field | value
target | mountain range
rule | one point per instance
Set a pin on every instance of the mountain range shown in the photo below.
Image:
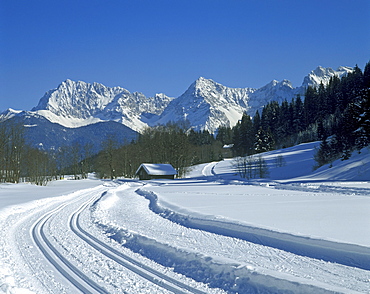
(79, 111)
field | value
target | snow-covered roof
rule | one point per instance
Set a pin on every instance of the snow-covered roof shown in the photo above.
(158, 169)
(229, 146)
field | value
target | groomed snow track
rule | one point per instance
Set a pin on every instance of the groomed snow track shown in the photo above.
(135, 266)
(73, 274)
(66, 268)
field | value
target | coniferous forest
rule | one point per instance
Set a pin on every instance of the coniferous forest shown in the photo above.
(337, 114)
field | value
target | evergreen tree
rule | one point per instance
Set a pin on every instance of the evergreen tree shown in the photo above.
(224, 135)
(320, 130)
(351, 87)
(256, 122)
(284, 126)
(324, 154)
(322, 102)
(366, 76)
(298, 115)
(348, 124)
(237, 148)
(270, 117)
(244, 136)
(310, 106)
(334, 94)
(247, 135)
(110, 161)
(264, 141)
(362, 133)
(12, 149)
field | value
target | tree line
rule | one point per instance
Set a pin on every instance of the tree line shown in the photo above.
(348, 127)
(337, 114)
(20, 162)
(171, 143)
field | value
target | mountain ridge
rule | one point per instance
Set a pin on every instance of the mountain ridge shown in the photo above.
(75, 104)
(205, 105)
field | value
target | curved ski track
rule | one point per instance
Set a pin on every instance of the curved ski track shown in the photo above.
(75, 276)
(67, 269)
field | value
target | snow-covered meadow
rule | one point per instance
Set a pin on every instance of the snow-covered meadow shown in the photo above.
(297, 231)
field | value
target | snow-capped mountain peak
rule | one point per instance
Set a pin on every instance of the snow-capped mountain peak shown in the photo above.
(202, 86)
(202, 82)
(323, 75)
(75, 104)
(78, 99)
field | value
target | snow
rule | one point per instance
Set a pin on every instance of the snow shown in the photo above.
(9, 113)
(323, 75)
(333, 217)
(160, 169)
(67, 121)
(14, 194)
(298, 231)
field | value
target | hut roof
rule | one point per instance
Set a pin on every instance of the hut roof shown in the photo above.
(158, 169)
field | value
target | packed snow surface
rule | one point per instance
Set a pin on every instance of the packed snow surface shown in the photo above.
(298, 231)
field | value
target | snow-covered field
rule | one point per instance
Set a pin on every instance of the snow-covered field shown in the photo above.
(297, 231)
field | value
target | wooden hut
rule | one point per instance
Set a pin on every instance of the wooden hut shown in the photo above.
(148, 171)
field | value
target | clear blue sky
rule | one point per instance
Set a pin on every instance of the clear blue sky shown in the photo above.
(163, 46)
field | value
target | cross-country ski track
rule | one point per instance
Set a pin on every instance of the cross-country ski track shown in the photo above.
(77, 276)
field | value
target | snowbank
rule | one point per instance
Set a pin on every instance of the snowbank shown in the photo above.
(316, 229)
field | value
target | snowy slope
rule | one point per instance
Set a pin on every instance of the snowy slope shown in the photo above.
(344, 188)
